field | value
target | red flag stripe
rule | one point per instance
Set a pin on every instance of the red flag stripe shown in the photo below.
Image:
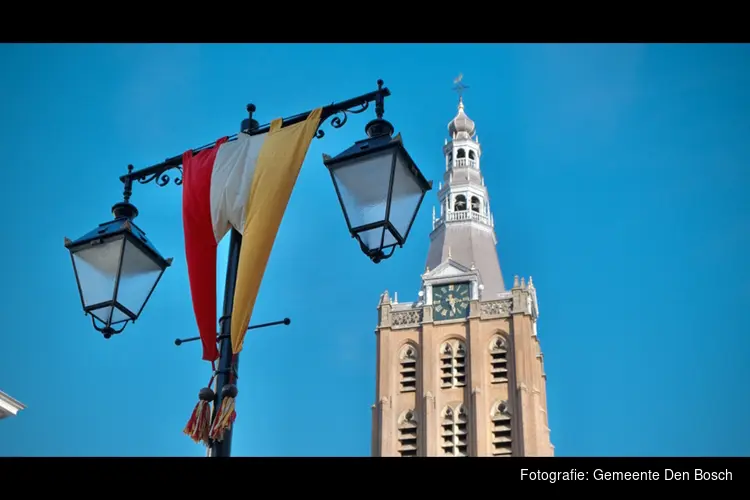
(200, 242)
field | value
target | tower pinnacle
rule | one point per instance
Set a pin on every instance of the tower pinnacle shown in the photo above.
(461, 127)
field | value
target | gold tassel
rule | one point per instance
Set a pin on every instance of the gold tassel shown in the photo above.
(198, 427)
(225, 416)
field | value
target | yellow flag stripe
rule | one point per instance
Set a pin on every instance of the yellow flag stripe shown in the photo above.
(277, 168)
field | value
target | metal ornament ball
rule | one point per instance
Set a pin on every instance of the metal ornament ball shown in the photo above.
(206, 394)
(229, 391)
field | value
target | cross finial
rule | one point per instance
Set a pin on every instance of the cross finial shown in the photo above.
(459, 86)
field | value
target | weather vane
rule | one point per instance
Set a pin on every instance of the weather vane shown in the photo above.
(459, 85)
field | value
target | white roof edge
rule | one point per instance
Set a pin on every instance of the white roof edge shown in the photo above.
(15, 405)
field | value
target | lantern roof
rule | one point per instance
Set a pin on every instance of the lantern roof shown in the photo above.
(120, 225)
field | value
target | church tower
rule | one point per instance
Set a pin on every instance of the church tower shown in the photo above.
(460, 372)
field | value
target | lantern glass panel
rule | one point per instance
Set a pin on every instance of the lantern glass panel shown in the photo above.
(138, 277)
(372, 238)
(96, 271)
(363, 185)
(406, 197)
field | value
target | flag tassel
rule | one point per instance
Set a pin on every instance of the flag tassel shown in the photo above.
(198, 426)
(226, 414)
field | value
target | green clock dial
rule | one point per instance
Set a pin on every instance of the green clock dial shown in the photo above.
(450, 301)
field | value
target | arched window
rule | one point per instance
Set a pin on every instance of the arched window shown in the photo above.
(461, 153)
(501, 430)
(454, 431)
(452, 364)
(476, 205)
(450, 156)
(460, 204)
(499, 360)
(471, 155)
(407, 434)
(408, 368)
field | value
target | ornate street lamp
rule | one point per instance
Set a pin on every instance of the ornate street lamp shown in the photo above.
(379, 187)
(117, 269)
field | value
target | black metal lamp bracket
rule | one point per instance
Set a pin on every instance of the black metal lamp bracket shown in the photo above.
(337, 112)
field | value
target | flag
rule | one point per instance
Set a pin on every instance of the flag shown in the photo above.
(278, 166)
(223, 187)
(216, 183)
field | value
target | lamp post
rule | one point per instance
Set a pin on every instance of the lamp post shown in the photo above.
(379, 187)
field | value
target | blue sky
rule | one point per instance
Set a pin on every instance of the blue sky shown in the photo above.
(619, 180)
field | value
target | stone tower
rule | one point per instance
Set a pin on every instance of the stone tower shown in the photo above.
(460, 372)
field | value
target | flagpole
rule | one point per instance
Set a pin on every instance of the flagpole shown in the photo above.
(225, 369)
(229, 362)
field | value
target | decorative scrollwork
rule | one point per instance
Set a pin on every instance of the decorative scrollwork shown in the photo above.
(340, 121)
(161, 179)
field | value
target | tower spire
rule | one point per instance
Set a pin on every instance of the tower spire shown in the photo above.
(461, 127)
(464, 231)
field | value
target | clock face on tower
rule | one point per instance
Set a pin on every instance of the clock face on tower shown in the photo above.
(450, 301)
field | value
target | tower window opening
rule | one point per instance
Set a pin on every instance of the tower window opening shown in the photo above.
(499, 360)
(501, 430)
(472, 156)
(461, 153)
(452, 365)
(476, 205)
(408, 369)
(454, 432)
(407, 434)
(460, 204)
(450, 156)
